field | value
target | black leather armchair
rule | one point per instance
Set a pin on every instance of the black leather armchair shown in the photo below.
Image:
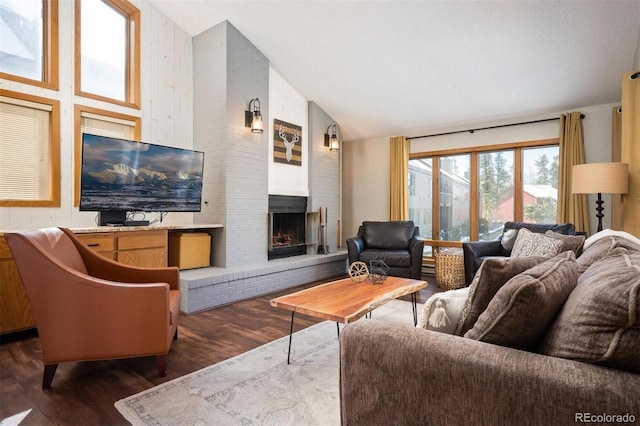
(475, 252)
(397, 243)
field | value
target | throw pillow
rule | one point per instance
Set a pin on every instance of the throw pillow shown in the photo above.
(521, 310)
(598, 247)
(630, 238)
(442, 310)
(493, 274)
(600, 322)
(534, 244)
(569, 242)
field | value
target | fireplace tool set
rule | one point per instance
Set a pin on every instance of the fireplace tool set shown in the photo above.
(323, 248)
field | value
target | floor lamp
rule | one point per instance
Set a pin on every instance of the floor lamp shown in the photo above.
(600, 178)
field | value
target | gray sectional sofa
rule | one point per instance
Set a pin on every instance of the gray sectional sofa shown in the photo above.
(556, 344)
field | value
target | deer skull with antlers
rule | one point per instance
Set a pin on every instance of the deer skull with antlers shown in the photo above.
(288, 145)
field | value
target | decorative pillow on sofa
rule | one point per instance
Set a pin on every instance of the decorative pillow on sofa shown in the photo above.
(600, 321)
(534, 244)
(493, 274)
(630, 241)
(442, 310)
(521, 310)
(569, 242)
(601, 244)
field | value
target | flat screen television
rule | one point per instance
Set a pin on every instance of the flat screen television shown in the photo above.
(120, 176)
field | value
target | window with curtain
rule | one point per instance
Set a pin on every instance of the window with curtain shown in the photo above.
(29, 151)
(475, 192)
(107, 51)
(29, 47)
(102, 123)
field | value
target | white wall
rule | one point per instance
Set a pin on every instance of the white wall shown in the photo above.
(166, 108)
(324, 174)
(366, 162)
(287, 104)
(365, 183)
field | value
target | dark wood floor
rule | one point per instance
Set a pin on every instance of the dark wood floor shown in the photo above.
(83, 393)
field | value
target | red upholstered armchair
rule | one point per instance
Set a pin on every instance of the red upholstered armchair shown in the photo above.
(88, 307)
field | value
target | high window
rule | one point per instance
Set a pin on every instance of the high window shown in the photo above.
(457, 196)
(108, 51)
(103, 123)
(29, 151)
(29, 42)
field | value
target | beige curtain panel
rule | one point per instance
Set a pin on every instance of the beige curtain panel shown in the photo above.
(398, 178)
(616, 156)
(630, 148)
(571, 207)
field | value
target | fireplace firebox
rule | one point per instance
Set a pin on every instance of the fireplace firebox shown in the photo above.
(287, 226)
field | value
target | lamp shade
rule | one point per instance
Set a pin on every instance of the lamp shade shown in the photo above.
(333, 143)
(600, 178)
(256, 123)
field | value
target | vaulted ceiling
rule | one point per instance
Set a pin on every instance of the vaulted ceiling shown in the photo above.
(383, 68)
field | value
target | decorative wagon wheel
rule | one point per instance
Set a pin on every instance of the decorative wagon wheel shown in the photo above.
(358, 271)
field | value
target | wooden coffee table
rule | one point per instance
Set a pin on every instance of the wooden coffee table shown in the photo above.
(345, 301)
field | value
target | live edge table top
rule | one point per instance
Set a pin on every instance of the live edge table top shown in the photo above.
(345, 300)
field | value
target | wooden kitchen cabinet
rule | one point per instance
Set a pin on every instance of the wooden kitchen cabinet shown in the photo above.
(135, 248)
(144, 248)
(105, 244)
(15, 310)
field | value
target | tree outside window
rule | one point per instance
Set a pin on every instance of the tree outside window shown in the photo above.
(540, 188)
(496, 196)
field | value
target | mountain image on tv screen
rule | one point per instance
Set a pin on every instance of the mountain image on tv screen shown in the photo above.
(124, 175)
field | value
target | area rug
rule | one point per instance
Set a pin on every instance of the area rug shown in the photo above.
(258, 387)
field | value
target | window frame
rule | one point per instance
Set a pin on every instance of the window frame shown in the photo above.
(474, 216)
(50, 57)
(132, 73)
(54, 147)
(77, 137)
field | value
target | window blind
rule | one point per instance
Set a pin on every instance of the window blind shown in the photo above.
(25, 143)
(103, 125)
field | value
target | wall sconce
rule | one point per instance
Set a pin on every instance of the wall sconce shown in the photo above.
(253, 118)
(600, 178)
(332, 141)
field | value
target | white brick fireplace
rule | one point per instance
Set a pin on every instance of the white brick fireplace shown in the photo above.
(240, 173)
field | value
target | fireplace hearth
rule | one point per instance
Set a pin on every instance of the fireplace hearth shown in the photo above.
(287, 226)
